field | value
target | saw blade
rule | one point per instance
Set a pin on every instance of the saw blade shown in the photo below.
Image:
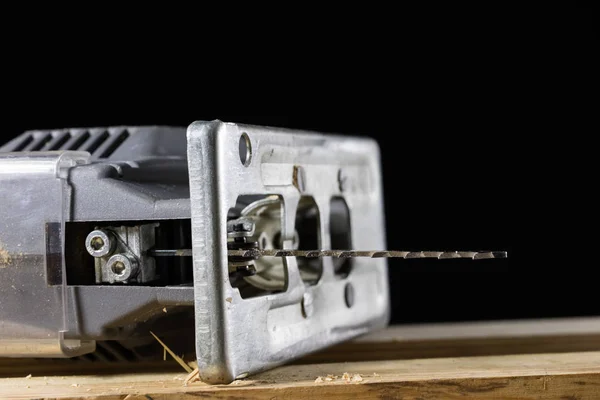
(475, 255)
(257, 253)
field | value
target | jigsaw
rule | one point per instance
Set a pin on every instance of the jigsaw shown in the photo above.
(247, 246)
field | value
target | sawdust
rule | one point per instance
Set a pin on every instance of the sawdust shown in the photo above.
(5, 258)
(346, 377)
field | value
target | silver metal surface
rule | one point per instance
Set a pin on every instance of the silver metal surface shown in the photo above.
(35, 190)
(237, 183)
(236, 336)
(46, 190)
(120, 268)
(100, 243)
(131, 263)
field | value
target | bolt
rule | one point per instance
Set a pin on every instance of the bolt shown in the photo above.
(121, 268)
(100, 243)
(240, 227)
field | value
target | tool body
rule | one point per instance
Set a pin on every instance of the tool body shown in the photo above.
(248, 244)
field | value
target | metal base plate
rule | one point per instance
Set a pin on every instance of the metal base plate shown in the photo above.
(238, 336)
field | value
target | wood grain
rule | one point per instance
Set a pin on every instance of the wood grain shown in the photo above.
(393, 343)
(468, 339)
(387, 353)
(544, 376)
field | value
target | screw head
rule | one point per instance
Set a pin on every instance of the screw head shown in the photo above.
(99, 243)
(121, 268)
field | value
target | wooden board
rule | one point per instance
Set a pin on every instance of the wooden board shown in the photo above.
(469, 339)
(547, 376)
(393, 343)
(386, 353)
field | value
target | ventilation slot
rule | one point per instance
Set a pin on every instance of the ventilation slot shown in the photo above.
(41, 142)
(61, 141)
(79, 141)
(117, 141)
(23, 143)
(97, 141)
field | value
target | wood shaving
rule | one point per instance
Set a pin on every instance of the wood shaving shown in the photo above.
(5, 259)
(165, 310)
(352, 377)
(375, 374)
(28, 376)
(175, 356)
(347, 377)
(237, 382)
(193, 376)
(75, 385)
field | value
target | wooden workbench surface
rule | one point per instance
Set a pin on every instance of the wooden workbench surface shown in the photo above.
(544, 376)
(563, 375)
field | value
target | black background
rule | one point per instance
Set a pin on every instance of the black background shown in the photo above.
(452, 97)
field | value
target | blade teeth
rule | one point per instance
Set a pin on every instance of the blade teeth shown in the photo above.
(414, 254)
(381, 254)
(483, 255)
(449, 255)
(466, 254)
(432, 254)
(255, 253)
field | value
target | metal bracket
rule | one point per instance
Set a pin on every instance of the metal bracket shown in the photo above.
(238, 336)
